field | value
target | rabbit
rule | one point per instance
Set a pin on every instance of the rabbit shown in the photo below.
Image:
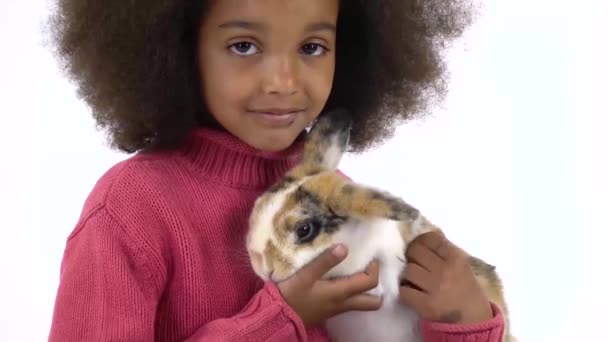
(314, 207)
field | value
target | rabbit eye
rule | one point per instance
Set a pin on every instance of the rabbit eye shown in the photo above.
(307, 231)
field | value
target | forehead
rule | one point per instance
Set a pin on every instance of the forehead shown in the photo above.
(276, 15)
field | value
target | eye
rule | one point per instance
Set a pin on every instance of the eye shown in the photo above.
(313, 49)
(243, 48)
(307, 231)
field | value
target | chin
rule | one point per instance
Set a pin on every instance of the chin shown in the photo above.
(274, 141)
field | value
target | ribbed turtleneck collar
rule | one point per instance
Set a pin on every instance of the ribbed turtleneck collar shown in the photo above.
(223, 158)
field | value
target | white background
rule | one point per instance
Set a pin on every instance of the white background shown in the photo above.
(514, 166)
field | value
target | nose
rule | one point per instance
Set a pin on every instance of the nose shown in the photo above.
(281, 76)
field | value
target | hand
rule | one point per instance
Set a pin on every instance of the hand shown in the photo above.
(440, 283)
(316, 300)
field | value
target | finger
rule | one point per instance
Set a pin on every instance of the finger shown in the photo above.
(437, 243)
(358, 282)
(420, 277)
(440, 232)
(361, 302)
(315, 269)
(412, 297)
(405, 282)
(422, 255)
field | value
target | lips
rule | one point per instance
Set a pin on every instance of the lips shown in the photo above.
(277, 111)
(276, 117)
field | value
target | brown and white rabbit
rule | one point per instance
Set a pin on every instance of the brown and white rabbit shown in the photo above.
(314, 207)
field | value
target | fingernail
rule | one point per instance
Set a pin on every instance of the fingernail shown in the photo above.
(339, 251)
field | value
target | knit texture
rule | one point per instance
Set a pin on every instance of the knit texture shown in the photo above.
(489, 331)
(158, 253)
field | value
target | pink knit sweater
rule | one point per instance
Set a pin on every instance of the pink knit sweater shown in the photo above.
(158, 254)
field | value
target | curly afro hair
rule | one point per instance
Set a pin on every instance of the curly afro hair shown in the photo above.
(134, 63)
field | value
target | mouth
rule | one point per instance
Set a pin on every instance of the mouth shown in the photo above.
(277, 110)
(276, 117)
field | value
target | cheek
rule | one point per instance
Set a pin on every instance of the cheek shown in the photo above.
(225, 85)
(319, 78)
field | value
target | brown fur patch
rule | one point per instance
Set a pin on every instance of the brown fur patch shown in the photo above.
(324, 185)
(291, 213)
(281, 264)
(304, 170)
(350, 199)
(490, 282)
(281, 218)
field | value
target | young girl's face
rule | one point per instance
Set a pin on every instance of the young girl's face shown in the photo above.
(267, 66)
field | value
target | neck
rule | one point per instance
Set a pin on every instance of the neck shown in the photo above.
(223, 158)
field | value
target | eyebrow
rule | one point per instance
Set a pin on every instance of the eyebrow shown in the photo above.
(249, 25)
(321, 26)
(257, 26)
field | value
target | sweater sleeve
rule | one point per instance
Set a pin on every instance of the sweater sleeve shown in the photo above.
(106, 291)
(267, 317)
(488, 331)
(110, 287)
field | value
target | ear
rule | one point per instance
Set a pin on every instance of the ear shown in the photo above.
(364, 202)
(326, 142)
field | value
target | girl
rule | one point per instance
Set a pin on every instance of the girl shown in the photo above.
(215, 97)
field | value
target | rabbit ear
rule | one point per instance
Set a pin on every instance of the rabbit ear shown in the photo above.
(326, 143)
(364, 202)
